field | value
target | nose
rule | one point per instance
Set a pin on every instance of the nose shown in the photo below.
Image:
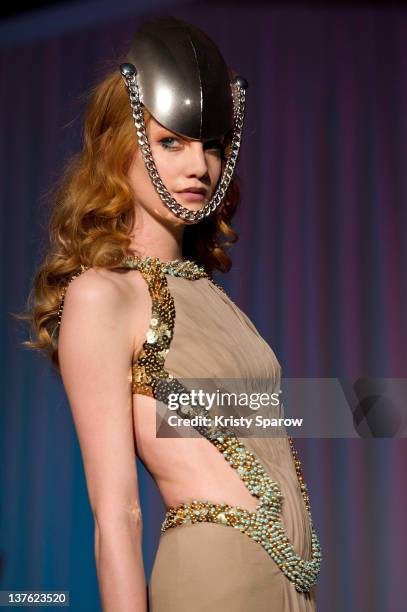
(197, 164)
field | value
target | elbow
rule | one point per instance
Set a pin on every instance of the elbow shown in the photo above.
(118, 519)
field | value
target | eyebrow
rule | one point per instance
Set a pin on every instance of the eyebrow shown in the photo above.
(163, 132)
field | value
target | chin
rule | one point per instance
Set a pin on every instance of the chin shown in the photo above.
(177, 221)
(192, 206)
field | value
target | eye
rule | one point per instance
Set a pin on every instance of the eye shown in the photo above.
(213, 145)
(168, 141)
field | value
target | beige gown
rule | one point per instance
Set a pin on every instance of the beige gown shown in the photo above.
(208, 566)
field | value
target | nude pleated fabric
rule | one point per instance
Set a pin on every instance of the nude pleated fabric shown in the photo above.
(208, 567)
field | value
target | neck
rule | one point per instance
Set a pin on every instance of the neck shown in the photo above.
(156, 237)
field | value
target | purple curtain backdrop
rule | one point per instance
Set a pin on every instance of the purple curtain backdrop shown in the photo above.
(320, 268)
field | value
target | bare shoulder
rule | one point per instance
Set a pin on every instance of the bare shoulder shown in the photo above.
(119, 300)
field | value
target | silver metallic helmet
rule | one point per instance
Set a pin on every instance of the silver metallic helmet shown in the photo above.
(179, 75)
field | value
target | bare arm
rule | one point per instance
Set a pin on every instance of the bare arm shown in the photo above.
(95, 350)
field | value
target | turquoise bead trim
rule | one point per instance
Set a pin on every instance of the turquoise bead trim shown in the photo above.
(185, 268)
(263, 525)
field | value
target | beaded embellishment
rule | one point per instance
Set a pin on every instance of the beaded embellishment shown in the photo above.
(151, 378)
(148, 369)
(63, 292)
(264, 524)
(175, 267)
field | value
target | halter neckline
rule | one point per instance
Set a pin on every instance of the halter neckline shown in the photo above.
(185, 268)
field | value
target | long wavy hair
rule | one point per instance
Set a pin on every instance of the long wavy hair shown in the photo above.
(93, 213)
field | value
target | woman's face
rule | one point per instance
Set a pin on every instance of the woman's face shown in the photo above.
(182, 164)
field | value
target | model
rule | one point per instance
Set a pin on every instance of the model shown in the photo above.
(128, 311)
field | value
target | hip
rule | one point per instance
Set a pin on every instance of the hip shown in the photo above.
(208, 567)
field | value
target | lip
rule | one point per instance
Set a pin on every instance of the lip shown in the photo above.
(194, 189)
(193, 196)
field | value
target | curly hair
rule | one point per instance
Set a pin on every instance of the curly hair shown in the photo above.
(93, 213)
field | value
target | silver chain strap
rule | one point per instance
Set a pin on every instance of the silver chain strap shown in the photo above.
(238, 93)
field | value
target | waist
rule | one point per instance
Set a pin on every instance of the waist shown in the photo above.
(203, 510)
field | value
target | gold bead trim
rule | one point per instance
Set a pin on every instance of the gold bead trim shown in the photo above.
(264, 524)
(149, 368)
(175, 267)
(63, 292)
